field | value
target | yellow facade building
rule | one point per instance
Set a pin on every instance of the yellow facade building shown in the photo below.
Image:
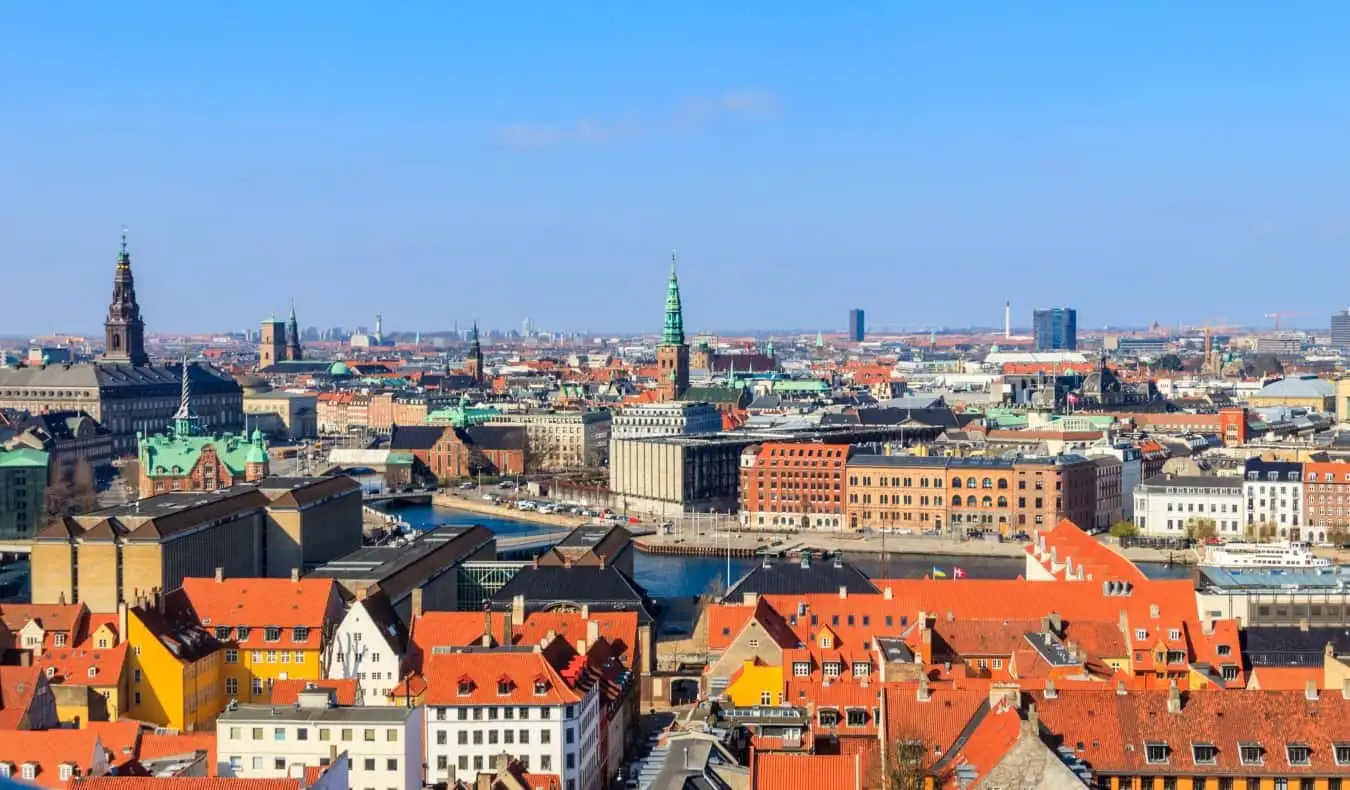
(175, 666)
(756, 683)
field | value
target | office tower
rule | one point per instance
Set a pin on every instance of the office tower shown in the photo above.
(1340, 330)
(856, 325)
(1055, 329)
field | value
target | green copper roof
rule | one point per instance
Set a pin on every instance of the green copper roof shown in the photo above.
(171, 454)
(462, 416)
(22, 457)
(673, 334)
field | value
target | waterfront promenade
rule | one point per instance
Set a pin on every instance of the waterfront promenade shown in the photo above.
(709, 535)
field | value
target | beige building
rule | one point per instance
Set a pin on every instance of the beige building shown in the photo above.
(253, 530)
(298, 411)
(563, 439)
(670, 475)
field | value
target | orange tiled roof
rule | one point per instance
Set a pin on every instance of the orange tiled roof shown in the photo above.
(17, 686)
(496, 677)
(50, 748)
(154, 745)
(52, 617)
(987, 744)
(787, 771)
(183, 783)
(1069, 543)
(84, 664)
(260, 603)
(287, 692)
(1285, 678)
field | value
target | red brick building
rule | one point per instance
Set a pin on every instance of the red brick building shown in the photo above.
(797, 486)
(1326, 497)
(447, 453)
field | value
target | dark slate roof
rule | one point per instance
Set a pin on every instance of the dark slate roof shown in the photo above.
(295, 367)
(714, 394)
(60, 425)
(1281, 646)
(601, 589)
(938, 417)
(414, 437)
(800, 577)
(120, 376)
(496, 437)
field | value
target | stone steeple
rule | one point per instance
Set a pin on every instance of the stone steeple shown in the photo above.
(123, 330)
(672, 355)
(293, 351)
(475, 361)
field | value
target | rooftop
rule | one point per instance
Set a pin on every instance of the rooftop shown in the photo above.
(381, 714)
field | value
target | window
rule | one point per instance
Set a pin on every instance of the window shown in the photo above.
(369, 764)
(1204, 753)
(279, 763)
(368, 735)
(1229, 671)
(346, 734)
(302, 734)
(540, 688)
(391, 764)
(325, 734)
(1173, 634)
(1155, 752)
(243, 633)
(60, 641)
(801, 669)
(546, 763)
(524, 736)
(828, 717)
(300, 633)
(65, 770)
(231, 686)
(1342, 753)
(222, 632)
(279, 734)
(503, 688)
(856, 717)
(463, 737)
(1251, 753)
(231, 656)
(1225, 650)
(1298, 754)
(391, 735)
(257, 763)
(465, 687)
(1140, 634)
(271, 634)
(753, 643)
(860, 669)
(546, 736)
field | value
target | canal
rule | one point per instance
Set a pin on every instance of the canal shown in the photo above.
(666, 576)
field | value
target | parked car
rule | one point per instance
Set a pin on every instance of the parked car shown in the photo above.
(466, 486)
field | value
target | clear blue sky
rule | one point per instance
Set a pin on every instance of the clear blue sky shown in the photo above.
(922, 160)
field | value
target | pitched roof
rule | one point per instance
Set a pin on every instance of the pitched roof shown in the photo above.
(84, 664)
(415, 437)
(287, 692)
(52, 617)
(496, 437)
(800, 578)
(601, 588)
(50, 748)
(788, 771)
(177, 628)
(17, 688)
(259, 603)
(183, 783)
(496, 677)
(158, 746)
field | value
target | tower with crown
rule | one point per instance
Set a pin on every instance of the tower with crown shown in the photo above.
(124, 329)
(672, 355)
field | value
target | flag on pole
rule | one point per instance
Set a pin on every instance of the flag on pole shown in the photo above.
(957, 573)
(937, 573)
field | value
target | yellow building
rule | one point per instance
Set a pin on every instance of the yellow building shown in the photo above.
(88, 677)
(271, 629)
(756, 683)
(175, 666)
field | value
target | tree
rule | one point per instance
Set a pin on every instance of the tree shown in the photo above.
(73, 493)
(1201, 529)
(1168, 362)
(1124, 529)
(1338, 535)
(906, 766)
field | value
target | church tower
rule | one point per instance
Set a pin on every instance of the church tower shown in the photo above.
(672, 355)
(475, 361)
(293, 351)
(271, 342)
(124, 331)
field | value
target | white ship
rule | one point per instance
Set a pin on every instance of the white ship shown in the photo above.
(1285, 555)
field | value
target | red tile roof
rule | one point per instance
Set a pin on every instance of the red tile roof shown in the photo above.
(52, 617)
(154, 746)
(287, 692)
(259, 603)
(17, 687)
(1286, 678)
(84, 664)
(49, 748)
(183, 783)
(787, 771)
(496, 677)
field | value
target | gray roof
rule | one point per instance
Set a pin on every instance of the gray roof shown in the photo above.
(1302, 387)
(116, 375)
(800, 577)
(1193, 481)
(363, 714)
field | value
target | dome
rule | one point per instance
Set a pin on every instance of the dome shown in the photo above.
(338, 368)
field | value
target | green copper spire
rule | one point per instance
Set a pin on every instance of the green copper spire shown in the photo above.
(673, 334)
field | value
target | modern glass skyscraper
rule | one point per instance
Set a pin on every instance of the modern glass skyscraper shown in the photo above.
(1055, 329)
(1340, 330)
(856, 327)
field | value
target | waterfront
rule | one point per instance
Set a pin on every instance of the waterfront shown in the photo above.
(673, 576)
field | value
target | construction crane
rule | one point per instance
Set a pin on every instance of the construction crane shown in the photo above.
(1276, 316)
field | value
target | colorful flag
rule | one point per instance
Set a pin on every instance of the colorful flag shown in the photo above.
(957, 573)
(937, 573)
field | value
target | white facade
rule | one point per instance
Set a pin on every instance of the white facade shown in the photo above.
(1164, 504)
(563, 439)
(360, 650)
(556, 739)
(665, 419)
(384, 745)
(1275, 498)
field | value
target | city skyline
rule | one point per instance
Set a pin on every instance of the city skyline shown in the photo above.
(1042, 159)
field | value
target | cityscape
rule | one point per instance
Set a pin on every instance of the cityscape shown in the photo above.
(888, 549)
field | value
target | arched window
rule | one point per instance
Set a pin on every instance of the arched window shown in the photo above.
(987, 502)
(1002, 501)
(987, 483)
(970, 482)
(956, 482)
(970, 501)
(1003, 482)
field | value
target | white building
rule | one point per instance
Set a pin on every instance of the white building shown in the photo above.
(665, 419)
(563, 439)
(1274, 494)
(482, 703)
(383, 744)
(1164, 504)
(368, 645)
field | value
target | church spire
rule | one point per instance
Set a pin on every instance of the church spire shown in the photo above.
(123, 330)
(673, 333)
(293, 351)
(184, 421)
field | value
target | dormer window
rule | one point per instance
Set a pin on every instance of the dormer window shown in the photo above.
(51, 672)
(504, 686)
(1298, 754)
(828, 717)
(59, 640)
(1225, 650)
(300, 633)
(1155, 752)
(243, 633)
(465, 687)
(1141, 634)
(801, 669)
(833, 669)
(65, 771)
(6, 768)
(861, 669)
(93, 671)
(271, 634)
(1204, 753)
(29, 771)
(1251, 754)
(1173, 634)
(222, 632)
(1342, 751)
(540, 687)
(826, 643)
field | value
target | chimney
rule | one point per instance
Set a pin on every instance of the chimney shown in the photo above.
(508, 629)
(486, 640)
(951, 616)
(415, 605)
(1173, 698)
(1056, 623)
(1045, 625)
(592, 632)
(886, 594)
(1207, 627)
(585, 611)
(1120, 688)
(1345, 688)
(159, 600)
(923, 694)
(220, 574)
(122, 623)
(750, 598)
(518, 609)
(1050, 692)
(843, 591)
(1310, 690)
(295, 574)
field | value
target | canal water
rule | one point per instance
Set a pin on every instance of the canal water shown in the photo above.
(668, 576)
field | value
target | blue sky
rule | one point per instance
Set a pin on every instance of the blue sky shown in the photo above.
(440, 162)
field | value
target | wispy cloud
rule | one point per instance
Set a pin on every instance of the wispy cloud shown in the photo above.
(693, 114)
